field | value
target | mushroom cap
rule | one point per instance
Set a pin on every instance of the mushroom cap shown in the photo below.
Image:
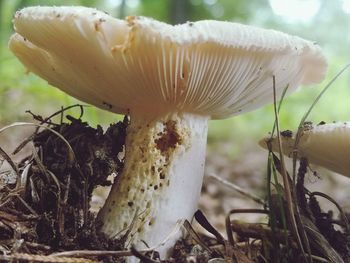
(327, 145)
(211, 68)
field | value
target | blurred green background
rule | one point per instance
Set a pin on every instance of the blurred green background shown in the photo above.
(323, 21)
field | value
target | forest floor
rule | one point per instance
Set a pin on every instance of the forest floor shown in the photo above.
(26, 234)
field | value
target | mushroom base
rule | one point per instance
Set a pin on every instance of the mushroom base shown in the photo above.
(161, 180)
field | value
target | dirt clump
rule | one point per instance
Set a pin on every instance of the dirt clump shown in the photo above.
(46, 208)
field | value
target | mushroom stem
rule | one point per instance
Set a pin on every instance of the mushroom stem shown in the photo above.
(161, 180)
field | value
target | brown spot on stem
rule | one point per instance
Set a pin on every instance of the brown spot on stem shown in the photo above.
(169, 138)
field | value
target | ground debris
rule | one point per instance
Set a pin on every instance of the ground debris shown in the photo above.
(323, 238)
(47, 208)
(45, 213)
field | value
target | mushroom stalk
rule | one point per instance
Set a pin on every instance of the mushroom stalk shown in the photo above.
(161, 180)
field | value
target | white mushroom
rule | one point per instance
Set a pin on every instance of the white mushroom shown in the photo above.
(171, 80)
(327, 145)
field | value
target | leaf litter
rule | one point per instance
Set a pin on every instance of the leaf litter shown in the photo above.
(46, 208)
(45, 198)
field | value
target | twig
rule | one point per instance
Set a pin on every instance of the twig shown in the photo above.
(236, 211)
(96, 253)
(237, 188)
(44, 259)
(141, 256)
(261, 231)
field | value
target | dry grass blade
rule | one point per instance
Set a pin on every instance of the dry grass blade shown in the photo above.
(286, 182)
(172, 233)
(195, 236)
(46, 120)
(279, 108)
(24, 176)
(228, 247)
(203, 221)
(9, 160)
(319, 243)
(22, 257)
(238, 189)
(18, 124)
(30, 209)
(61, 112)
(128, 229)
(278, 165)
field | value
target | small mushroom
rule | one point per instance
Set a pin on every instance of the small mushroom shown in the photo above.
(171, 80)
(327, 145)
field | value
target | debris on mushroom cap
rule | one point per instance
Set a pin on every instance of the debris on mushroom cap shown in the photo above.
(327, 145)
(207, 67)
